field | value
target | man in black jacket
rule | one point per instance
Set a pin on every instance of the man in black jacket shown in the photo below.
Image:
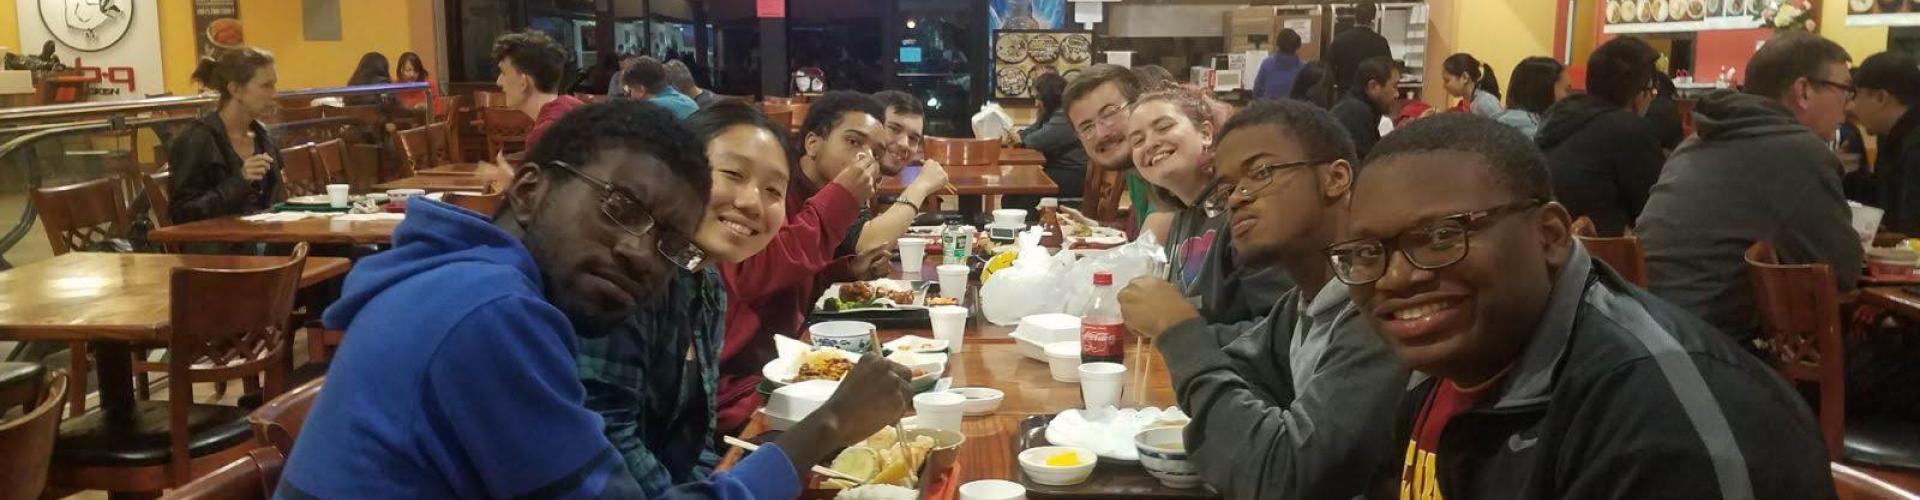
(1372, 95)
(1355, 45)
(1889, 84)
(1603, 155)
(1553, 377)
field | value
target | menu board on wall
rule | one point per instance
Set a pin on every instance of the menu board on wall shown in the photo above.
(216, 25)
(1882, 13)
(1019, 57)
(1678, 16)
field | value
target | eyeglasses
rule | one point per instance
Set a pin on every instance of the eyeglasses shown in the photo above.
(1253, 183)
(1106, 117)
(626, 212)
(1439, 244)
(1850, 90)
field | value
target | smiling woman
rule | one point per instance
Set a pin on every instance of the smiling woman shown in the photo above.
(750, 174)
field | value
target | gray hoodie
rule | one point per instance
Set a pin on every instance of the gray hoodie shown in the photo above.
(1753, 173)
(1201, 260)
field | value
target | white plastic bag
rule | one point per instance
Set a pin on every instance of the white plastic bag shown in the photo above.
(1143, 257)
(991, 122)
(1023, 288)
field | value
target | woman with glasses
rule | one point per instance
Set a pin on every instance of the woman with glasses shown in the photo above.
(1171, 135)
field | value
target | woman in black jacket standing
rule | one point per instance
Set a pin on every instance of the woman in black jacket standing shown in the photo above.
(224, 163)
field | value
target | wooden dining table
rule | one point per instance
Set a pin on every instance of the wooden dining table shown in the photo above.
(1894, 299)
(115, 301)
(438, 182)
(318, 230)
(974, 183)
(1022, 156)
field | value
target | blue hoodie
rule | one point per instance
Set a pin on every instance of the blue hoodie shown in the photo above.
(457, 380)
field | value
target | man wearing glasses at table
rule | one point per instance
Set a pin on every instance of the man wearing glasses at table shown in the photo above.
(1553, 377)
(457, 377)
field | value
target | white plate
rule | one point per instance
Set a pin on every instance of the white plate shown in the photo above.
(919, 298)
(312, 199)
(1109, 433)
(782, 370)
(1101, 236)
(915, 343)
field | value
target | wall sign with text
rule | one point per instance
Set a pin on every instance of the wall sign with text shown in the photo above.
(216, 25)
(115, 41)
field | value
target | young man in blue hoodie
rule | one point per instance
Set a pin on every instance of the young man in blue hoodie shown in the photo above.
(457, 376)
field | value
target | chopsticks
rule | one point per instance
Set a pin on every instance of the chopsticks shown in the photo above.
(1143, 362)
(750, 447)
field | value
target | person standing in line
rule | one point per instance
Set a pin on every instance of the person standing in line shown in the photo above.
(1278, 72)
(1354, 46)
(1605, 157)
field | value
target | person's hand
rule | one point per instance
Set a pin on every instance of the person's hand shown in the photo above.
(1430, 112)
(256, 167)
(1074, 215)
(873, 264)
(1152, 305)
(873, 395)
(931, 181)
(860, 177)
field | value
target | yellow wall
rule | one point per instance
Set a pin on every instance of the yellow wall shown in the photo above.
(385, 26)
(1860, 42)
(1497, 32)
(10, 28)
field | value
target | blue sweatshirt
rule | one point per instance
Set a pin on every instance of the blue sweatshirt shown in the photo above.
(456, 380)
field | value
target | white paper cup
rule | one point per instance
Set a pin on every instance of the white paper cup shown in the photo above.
(851, 336)
(1100, 384)
(913, 254)
(1010, 217)
(993, 489)
(1063, 359)
(939, 410)
(402, 195)
(953, 280)
(337, 195)
(949, 324)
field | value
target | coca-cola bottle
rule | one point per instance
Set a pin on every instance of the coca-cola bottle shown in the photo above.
(1102, 331)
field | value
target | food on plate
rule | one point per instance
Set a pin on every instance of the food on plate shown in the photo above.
(1677, 9)
(942, 301)
(1064, 459)
(1077, 48)
(1080, 230)
(1011, 80)
(878, 492)
(823, 364)
(867, 294)
(882, 458)
(1011, 48)
(1043, 49)
(225, 33)
(1659, 10)
(1646, 9)
(1697, 9)
(1613, 11)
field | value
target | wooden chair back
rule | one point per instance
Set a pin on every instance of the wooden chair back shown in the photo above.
(504, 127)
(155, 185)
(26, 443)
(77, 216)
(332, 159)
(446, 144)
(799, 114)
(1799, 310)
(963, 152)
(780, 115)
(416, 151)
(489, 99)
(363, 165)
(1852, 484)
(369, 114)
(300, 114)
(227, 324)
(253, 477)
(1623, 253)
(298, 175)
(1102, 191)
(485, 204)
(278, 422)
(776, 101)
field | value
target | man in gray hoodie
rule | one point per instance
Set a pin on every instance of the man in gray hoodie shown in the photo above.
(1758, 170)
(1302, 405)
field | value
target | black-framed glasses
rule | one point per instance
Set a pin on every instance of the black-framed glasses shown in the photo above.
(1850, 90)
(626, 212)
(1253, 183)
(1437, 244)
(1105, 117)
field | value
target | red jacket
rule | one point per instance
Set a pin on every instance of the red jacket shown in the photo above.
(549, 113)
(771, 292)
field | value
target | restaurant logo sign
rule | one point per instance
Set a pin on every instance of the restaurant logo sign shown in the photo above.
(216, 25)
(114, 43)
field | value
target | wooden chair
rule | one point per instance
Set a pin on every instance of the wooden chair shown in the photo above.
(155, 185)
(416, 151)
(964, 152)
(277, 423)
(371, 115)
(1623, 253)
(781, 115)
(489, 99)
(298, 175)
(26, 442)
(1799, 309)
(332, 159)
(485, 204)
(78, 217)
(446, 144)
(227, 324)
(20, 384)
(1852, 484)
(300, 114)
(504, 127)
(1102, 191)
(253, 477)
(799, 116)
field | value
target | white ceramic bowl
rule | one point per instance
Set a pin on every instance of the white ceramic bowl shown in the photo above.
(1033, 461)
(993, 489)
(1163, 452)
(980, 400)
(851, 336)
(1063, 359)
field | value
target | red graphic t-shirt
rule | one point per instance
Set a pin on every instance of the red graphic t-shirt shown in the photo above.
(1419, 478)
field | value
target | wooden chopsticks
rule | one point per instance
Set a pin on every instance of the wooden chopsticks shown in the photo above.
(750, 447)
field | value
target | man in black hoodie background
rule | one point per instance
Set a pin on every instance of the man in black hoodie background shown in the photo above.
(1356, 45)
(1889, 89)
(1604, 156)
(1369, 97)
(1758, 169)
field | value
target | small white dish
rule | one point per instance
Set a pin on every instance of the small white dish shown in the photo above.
(993, 489)
(1163, 452)
(980, 400)
(1033, 461)
(917, 344)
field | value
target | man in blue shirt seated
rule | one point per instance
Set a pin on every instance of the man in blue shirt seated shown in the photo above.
(457, 376)
(647, 80)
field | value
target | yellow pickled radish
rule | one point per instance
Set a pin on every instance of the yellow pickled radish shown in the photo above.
(1064, 459)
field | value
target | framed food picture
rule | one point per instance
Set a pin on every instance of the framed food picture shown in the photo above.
(1022, 56)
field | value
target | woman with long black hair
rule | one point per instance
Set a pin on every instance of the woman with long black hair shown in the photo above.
(1473, 82)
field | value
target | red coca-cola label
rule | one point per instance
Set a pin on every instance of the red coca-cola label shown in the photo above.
(1102, 340)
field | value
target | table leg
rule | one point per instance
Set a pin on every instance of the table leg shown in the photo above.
(113, 363)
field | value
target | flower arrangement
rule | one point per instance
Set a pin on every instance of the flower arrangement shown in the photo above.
(1789, 15)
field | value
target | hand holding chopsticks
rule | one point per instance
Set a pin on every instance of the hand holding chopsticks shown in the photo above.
(830, 473)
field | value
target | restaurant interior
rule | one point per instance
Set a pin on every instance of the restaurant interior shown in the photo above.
(119, 375)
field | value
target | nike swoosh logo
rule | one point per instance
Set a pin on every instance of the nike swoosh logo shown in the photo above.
(1516, 444)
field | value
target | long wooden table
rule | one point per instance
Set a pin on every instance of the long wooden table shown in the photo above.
(114, 301)
(231, 229)
(1894, 299)
(438, 182)
(1021, 156)
(974, 183)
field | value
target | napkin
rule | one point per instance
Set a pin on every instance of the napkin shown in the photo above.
(282, 216)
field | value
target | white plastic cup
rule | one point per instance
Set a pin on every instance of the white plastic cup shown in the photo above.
(949, 324)
(953, 280)
(1100, 384)
(939, 410)
(993, 489)
(1063, 360)
(913, 254)
(1010, 217)
(337, 195)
